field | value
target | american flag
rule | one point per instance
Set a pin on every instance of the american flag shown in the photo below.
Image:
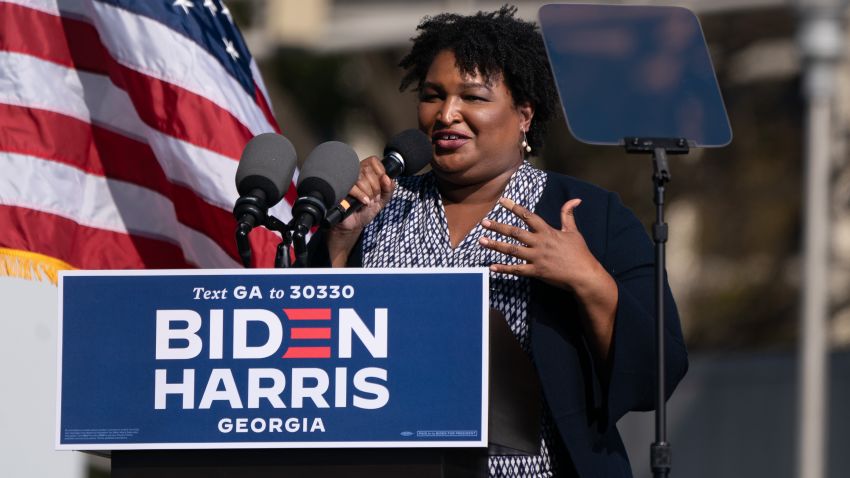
(121, 125)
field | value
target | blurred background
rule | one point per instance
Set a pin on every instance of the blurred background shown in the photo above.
(735, 213)
(330, 67)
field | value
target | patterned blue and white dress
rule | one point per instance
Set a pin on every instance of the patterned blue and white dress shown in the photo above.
(412, 231)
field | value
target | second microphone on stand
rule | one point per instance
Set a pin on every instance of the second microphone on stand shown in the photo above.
(262, 178)
(328, 174)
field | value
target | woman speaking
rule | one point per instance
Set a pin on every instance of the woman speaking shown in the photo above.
(571, 268)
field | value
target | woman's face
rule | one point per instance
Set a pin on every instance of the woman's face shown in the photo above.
(475, 126)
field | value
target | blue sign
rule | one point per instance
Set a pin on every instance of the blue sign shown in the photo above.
(273, 359)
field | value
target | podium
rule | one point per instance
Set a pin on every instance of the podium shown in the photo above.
(514, 424)
(513, 421)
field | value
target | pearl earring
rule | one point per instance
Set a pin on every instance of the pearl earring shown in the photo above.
(524, 145)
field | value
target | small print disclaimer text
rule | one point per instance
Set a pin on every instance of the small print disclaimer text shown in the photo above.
(100, 434)
(447, 433)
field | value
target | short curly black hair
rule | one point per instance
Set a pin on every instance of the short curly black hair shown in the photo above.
(494, 44)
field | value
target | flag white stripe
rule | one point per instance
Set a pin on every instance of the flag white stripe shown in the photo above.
(48, 6)
(102, 203)
(258, 79)
(22, 84)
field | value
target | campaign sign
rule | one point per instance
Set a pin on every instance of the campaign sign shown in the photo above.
(273, 359)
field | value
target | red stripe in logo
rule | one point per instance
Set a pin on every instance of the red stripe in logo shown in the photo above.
(307, 352)
(308, 314)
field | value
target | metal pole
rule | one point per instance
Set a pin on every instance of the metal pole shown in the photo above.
(661, 454)
(820, 42)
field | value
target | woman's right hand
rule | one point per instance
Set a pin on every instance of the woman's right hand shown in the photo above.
(373, 189)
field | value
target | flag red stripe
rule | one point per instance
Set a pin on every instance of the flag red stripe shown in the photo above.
(85, 247)
(298, 333)
(308, 314)
(37, 33)
(200, 121)
(99, 151)
(87, 147)
(264, 244)
(291, 194)
(307, 352)
(260, 99)
(166, 107)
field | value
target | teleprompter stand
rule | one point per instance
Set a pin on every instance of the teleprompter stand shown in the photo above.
(634, 100)
(659, 148)
(514, 429)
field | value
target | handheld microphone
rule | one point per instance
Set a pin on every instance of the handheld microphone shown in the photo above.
(328, 174)
(405, 154)
(262, 179)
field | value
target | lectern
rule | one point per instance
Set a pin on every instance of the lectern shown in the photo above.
(514, 424)
(439, 366)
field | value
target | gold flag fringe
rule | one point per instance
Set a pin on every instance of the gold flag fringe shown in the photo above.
(30, 265)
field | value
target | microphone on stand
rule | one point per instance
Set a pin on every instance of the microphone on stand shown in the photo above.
(406, 154)
(262, 178)
(327, 175)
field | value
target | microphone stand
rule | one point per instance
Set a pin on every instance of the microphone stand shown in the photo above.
(299, 242)
(281, 257)
(249, 211)
(660, 451)
(293, 234)
(308, 211)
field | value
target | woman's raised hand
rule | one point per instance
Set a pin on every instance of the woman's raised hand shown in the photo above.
(374, 190)
(560, 257)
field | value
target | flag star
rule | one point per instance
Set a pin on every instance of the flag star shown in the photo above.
(230, 49)
(184, 4)
(211, 6)
(226, 12)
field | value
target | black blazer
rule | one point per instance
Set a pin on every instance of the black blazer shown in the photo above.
(586, 397)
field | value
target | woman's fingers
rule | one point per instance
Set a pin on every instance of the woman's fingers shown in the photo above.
(368, 185)
(526, 270)
(513, 232)
(568, 220)
(511, 249)
(533, 221)
(373, 189)
(556, 256)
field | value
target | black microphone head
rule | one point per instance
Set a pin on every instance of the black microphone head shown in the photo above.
(330, 171)
(414, 146)
(267, 163)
